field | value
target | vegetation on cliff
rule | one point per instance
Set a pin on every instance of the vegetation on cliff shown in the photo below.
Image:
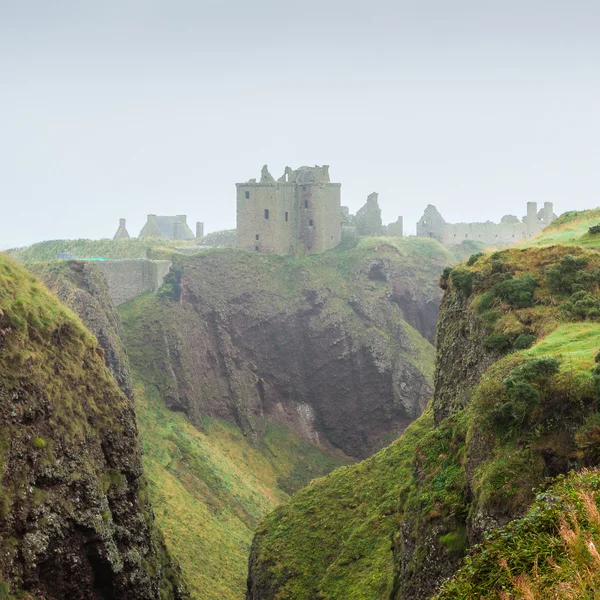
(515, 403)
(106, 248)
(74, 515)
(331, 345)
(552, 552)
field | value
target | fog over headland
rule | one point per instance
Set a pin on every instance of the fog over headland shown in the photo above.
(117, 109)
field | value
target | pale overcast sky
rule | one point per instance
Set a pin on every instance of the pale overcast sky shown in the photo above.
(121, 108)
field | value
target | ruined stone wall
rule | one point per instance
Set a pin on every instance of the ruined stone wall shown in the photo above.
(492, 234)
(129, 278)
(395, 229)
(511, 229)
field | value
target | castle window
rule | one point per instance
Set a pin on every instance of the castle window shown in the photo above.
(310, 222)
(466, 235)
(257, 236)
(306, 204)
(256, 248)
(266, 213)
(286, 217)
(247, 195)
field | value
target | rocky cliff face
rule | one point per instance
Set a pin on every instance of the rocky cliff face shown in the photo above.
(74, 518)
(515, 402)
(320, 345)
(82, 287)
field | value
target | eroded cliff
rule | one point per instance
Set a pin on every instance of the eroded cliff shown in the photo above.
(331, 346)
(75, 521)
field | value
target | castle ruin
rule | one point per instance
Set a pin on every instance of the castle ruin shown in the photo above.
(164, 228)
(298, 213)
(511, 229)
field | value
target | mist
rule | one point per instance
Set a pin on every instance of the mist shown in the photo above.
(119, 109)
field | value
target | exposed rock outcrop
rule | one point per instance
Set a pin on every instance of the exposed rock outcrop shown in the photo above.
(318, 346)
(74, 519)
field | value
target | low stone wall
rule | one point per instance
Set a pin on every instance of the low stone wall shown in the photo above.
(129, 278)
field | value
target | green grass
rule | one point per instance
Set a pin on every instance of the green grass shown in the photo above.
(333, 538)
(574, 344)
(550, 553)
(210, 488)
(104, 248)
(570, 229)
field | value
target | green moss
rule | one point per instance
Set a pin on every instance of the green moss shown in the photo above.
(332, 540)
(455, 541)
(40, 443)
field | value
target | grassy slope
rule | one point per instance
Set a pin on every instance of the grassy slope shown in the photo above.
(550, 553)
(333, 539)
(210, 488)
(106, 248)
(570, 229)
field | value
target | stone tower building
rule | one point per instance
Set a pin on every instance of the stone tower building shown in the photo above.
(298, 213)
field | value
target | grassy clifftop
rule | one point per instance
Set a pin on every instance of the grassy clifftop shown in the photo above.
(106, 248)
(571, 229)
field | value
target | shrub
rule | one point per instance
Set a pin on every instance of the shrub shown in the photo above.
(594, 229)
(474, 258)
(497, 266)
(569, 271)
(171, 287)
(486, 301)
(517, 291)
(582, 305)
(588, 441)
(444, 277)
(523, 389)
(497, 342)
(536, 370)
(523, 341)
(462, 281)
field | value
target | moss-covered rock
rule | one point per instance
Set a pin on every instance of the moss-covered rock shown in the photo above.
(74, 518)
